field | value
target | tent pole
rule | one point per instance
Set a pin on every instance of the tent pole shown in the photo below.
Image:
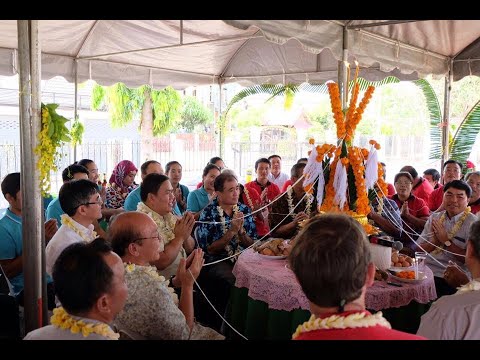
(35, 304)
(446, 116)
(222, 122)
(75, 110)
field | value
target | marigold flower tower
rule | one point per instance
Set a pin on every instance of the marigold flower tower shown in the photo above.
(346, 174)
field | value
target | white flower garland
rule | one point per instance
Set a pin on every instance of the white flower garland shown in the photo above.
(228, 247)
(473, 285)
(249, 199)
(356, 320)
(152, 271)
(308, 203)
(71, 224)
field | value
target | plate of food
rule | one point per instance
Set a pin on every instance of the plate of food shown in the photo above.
(401, 262)
(273, 249)
(408, 276)
(272, 257)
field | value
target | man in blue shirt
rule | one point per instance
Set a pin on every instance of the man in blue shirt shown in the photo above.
(11, 243)
(148, 167)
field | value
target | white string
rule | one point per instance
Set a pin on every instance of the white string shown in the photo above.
(213, 307)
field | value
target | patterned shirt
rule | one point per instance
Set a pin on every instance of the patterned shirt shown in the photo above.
(209, 233)
(115, 198)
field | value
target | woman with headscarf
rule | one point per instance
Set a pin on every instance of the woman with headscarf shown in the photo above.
(121, 183)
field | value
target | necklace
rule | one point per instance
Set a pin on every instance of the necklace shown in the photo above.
(308, 203)
(455, 228)
(228, 247)
(355, 320)
(380, 206)
(165, 223)
(152, 272)
(247, 196)
(64, 321)
(72, 225)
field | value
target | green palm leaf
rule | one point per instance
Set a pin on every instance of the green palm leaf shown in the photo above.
(435, 118)
(466, 135)
(270, 89)
(364, 84)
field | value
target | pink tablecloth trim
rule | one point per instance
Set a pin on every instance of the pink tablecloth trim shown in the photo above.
(271, 282)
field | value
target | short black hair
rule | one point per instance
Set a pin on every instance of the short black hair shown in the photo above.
(146, 164)
(221, 179)
(411, 170)
(70, 170)
(459, 185)
(295, 171)
(151, 184)
(273, 156)
(81, 275)
(209, 167)
(75, 193)
(433, 173)
(451, 161)
(84, 162)
(302, 159)
(214, 159)
(11, 184)
(405, 174)
(169, 165)
(262, 160)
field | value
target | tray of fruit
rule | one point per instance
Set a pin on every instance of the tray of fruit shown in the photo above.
(408, 276)
(273, 249)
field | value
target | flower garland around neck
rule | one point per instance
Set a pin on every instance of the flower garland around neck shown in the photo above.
(64, 321)
(152, 272)
(355, 320)
(455, 228)
(71, 224)
(228, 247)
(249, 199)
(165, 223)
(473, 285)
(380, 206)
(308, 203)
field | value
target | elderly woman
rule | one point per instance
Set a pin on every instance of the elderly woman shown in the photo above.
(473, 179)
(413, 210)
(121, 183)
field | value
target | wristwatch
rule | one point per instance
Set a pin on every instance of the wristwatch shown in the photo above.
(447, 243)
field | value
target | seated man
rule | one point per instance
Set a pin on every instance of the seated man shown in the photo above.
(453, 317)
(446, 232)
(153, 309)
(90, 284)
(287, 203)
(157, 202)
(332, 262)
(148, 167)
(83, 205)
(226, 227)
(11, 242)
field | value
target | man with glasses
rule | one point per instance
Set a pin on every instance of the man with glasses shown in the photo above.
(83, 205)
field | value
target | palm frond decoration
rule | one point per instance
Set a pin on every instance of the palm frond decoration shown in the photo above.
(435, 114)
(462, 143)
(270, 89)
(364, 84)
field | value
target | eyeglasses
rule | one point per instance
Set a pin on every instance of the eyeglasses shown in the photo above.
(98, 202)
(148, 237)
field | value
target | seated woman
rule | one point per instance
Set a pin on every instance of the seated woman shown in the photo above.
(173, 170)
(414, 211)
(198, 199)
(153, 309)
(121, 183)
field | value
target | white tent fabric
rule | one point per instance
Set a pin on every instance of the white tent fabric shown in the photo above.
(202, 52)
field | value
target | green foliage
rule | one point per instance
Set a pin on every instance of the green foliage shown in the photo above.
(57, 130)
(435, 115)
(98, 97)
(194, 114)
(167, 107)
(466, 135)
(76, 132)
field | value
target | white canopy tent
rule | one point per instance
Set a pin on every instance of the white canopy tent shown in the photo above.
(181, 53)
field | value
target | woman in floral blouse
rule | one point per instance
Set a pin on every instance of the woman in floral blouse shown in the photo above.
(121, 183)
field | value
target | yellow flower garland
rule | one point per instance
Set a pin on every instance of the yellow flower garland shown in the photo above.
(70, 223)
(64, 321)
(356, 320)
(455, 228)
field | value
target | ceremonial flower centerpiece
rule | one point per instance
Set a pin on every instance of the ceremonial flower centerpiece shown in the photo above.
(347, 174)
